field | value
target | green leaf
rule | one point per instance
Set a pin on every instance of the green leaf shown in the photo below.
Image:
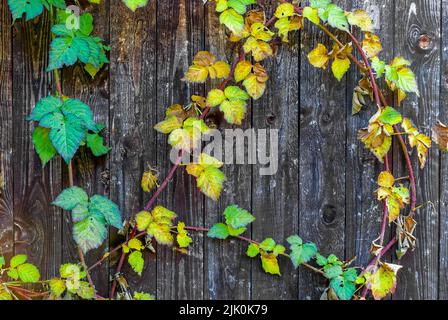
(62, 52)
(96, 143)
(43, 145)
(232, 20)
(70, 198)
(295, 239)
(70, 270)
(2, 261)
(235, 231)
(300, 252)
(17, 260)
(45, 106)
(337, 18)
(78, 109)
(143, 296)
(237, 217)
(252, 250)
(340, 67)
(31, 8)
(218, 231)
(235, 93)
(390, 116)
(378, 66)
(279, 249)
(210, 182)
(28, 273)
(67, 136)
(267, 244)
(108, 209)
(269, 263)
(86, 24)
(407, 81)
(321, 260)
(215, 97)
(136, 261)
(13, 274)
(89, 233)
(85, 290)
(319, 4)
(344, 289)
(332, 271)
(134, 4)
(311, 14)
(57, 286)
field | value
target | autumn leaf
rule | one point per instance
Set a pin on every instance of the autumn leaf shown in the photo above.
(210, 182)
(440, 135)
(149, 180)
(204, 65)
(371, 45)
(311, 14)
(259, 49)
(319, 57)
(242, 70)
(284, 10)
(383, 281)
(340, 67)
(269, 263)
(361, 19)
(417, 140)
(169, 124)
(254, 87)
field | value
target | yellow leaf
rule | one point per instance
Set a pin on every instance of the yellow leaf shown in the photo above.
(260, 32)
(259, 49)
(393, 207)
(162, 233)
(210, 182)
(269, 263)
(386, 179)
(318, 57)
(206, 160)
(340, 67)
(143, 219)
(169, 124)
(215, 97)
(242, 70)
(162, 215)
(361, 19)
(149, 180)
(221, 69)
(196, 73)
(311, 14)
(194, 169)
(204, 59)
(284, 10)
(175, 110)
(234, 111)
(383, 281)
(371, 45)
(253, 87)
(182, 236)
(180, 139)
(135, 244)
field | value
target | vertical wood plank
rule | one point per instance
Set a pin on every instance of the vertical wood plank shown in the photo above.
(227, 270)
(6, 175)
(275, 197)
(419, 277)
(322, 159)
(90, 173)
(133, 112)
(180, 26)
(37, 224)
(363, 211)
(443, 209)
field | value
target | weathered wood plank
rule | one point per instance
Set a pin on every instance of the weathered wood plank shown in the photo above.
(180, 27)
(275, 197)
(133, 110)
(6, 174)
(227, 269)
(443, 209)
(363, 211)
(322, 159)
(37, 224)
(413, 20)
(90, 172)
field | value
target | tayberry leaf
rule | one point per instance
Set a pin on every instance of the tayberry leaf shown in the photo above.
(237, 217)
(43, 145)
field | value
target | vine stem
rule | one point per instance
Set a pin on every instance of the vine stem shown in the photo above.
(170, 175)
(202, 229)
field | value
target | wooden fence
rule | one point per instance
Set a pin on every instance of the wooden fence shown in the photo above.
(323, 189)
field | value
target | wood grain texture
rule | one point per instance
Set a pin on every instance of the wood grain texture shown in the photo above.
(180, 26)
(443, 116)
(322, 167)
(90, 173)
(227, 271)
(6, 113)
(419, 277)
(323, 189)
(133, 111)
(363, 211)
(37, 224)
(274, 197)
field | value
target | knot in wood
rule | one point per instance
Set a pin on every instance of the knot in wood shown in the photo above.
(424, 42)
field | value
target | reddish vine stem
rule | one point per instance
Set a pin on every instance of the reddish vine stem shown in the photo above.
(171, 174)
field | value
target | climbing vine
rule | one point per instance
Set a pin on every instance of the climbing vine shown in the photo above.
(64, 124)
